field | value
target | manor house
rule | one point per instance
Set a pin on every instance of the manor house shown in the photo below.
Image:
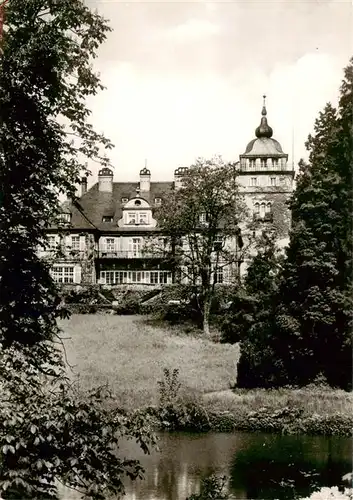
(106, 228)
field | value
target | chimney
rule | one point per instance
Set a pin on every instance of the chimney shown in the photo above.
(83, 185)
(179, 174)
(105, 180)
(145, 180)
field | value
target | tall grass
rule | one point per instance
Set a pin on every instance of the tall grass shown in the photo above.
(310, 399)
(130, 355)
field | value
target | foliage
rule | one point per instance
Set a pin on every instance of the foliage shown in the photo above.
(309, 331)
(199, 221)
(252, 305)
(52, 432)
(48, 431)
(178, 411)
(212, 488)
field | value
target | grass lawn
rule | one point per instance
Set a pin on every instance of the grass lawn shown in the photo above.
(130, 355)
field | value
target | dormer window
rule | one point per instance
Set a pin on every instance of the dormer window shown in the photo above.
(137, 218)
(124, 200)
(65, 217)
(138, 202)
(158, 201)
(107, 218)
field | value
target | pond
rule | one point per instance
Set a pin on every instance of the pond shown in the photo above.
(260, 466)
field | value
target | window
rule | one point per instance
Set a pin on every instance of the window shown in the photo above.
(107, 218)
(257, 208)
(154, 277)
(124, 200)
(138, 202)
(273, 181)
(63, 274)
(252, 164)
(136, 247)
(52, 242)
(158, 201)
(203, 218)
(131, 218)
(110, 244)
(275, 162)
(218, 275)
(268, 208)
(253, 181)
(75, 243)
(263, 163)
(142, 218)
(262, 209)
(217, 246)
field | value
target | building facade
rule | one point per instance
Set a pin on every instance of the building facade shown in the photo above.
(104, 231)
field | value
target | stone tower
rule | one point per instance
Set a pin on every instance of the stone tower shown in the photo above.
(267, 179)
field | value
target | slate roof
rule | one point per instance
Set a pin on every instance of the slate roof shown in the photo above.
(94, 204)
(264, 147)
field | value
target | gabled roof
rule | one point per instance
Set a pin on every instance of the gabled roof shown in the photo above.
(95, 204)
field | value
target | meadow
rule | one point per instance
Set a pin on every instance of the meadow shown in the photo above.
(129, 354)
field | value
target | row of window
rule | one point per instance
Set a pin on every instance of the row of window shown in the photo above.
(262, 208)
(135, 277)
(263, 163)
(75, 243)
(62, 274)
(135, 246)
(65, 274)
(272, 181)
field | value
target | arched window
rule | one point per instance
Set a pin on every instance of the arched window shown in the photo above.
(262, 209)
(268, 208)
(257, 208)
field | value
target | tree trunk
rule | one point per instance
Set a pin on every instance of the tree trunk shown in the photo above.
(206, 315)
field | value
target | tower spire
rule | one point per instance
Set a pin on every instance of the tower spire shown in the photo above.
(264, 130)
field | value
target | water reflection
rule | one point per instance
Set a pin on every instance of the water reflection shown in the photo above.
(260, 466)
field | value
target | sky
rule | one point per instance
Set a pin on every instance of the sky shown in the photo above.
(186, 79)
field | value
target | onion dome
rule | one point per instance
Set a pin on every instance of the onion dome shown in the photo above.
(264, 130)
(264, 145)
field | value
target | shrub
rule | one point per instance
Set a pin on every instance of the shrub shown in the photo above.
(177, 411)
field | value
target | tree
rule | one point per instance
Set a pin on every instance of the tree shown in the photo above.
(250, 317)
(200, 224)
(48, 431)
(311, 331)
